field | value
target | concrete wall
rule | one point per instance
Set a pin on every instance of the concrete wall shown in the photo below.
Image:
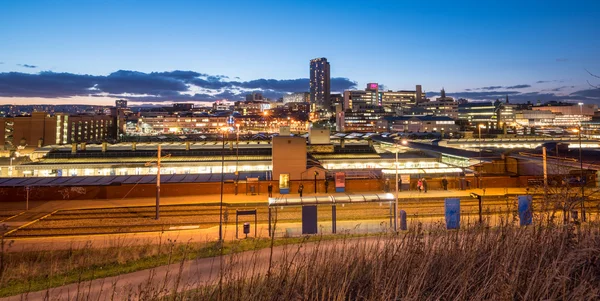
(289, 157)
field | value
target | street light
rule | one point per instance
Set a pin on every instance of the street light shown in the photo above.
(478, 197)
(582, 182)
(224, 130)
(480, 149)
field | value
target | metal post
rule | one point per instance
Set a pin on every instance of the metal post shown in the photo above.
(316, 174)
(333, 219)
(27, 200)
(221, 202)
(582, 180)
(158, 184)
(255, 221)
(396, 201)
(236, 224)
(480, 210)
(269, 221)
(545, 159)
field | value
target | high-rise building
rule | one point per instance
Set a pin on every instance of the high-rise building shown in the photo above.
(255, 96)
(320, 84)
(121, 103)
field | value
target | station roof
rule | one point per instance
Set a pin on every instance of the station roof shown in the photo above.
(119, 180)
(331, 199)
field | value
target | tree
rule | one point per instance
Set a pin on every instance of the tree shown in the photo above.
(593, 75)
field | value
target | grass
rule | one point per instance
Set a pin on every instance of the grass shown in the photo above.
(548, 261)
(506, 263)
(38, 270)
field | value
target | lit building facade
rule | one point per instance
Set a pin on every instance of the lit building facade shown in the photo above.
(40, 129)
(296, 97)
(440, 108)
(417, 124)
(477, 112)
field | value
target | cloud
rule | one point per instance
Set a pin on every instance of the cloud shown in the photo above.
(176, 85)
(46, 84)
(518, 87)
(490, 88)
(549, 81)
(134, 82)
(588, 96)
(27, 66)
(522, 86)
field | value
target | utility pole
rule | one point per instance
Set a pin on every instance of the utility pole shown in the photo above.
(222, 180)
(158, 157)
(27, 199)
(396, 202)
(158, 184)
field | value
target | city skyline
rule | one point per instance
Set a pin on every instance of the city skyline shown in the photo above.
(93, 54)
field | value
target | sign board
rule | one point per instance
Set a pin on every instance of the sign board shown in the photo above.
(340, 182)
(284, 183)
(525, 214)
(405, 179)
(452, 213)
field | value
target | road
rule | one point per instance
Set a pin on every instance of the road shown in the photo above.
(164, 280)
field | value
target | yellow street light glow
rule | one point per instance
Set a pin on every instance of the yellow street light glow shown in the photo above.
(575, 130)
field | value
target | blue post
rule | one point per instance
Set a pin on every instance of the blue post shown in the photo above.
(452, 209)
(525, 213)
(403, 220)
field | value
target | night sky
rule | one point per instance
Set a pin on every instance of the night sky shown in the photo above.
(92, 52)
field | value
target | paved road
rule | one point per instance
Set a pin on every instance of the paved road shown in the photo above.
(164, 280)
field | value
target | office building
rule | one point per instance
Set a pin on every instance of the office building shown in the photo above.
(356, 100)
(296, 97)
(254, 97)
(320, 84)
(40, 129)
(478, 113)
(121, 103)
(439, 108)
(417, 124)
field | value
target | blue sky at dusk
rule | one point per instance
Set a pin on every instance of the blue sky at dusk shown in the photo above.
(156, 51)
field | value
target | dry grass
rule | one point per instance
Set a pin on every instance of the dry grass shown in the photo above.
(508, 263)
